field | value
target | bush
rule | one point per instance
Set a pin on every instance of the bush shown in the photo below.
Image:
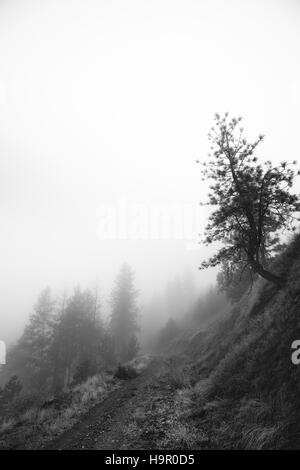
(24, 402)
(125, 372)
(11, 390)
(84, 370)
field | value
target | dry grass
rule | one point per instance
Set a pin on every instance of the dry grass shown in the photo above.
(202, 388)
(178, 377)
(139, 415)
(48, 423)
(140, 363)
(29, 415)
(180, 432)
(7, 424)
(260, 437)
(182, 436)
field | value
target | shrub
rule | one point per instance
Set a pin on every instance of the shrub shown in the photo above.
(177, 375)
(84, 370)
(11, 390)
(6, 425)
(125, 372)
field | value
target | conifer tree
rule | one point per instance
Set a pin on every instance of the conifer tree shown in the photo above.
(253, 201)
(36, 341)
(123, 321)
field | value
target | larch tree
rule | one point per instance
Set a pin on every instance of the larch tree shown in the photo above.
(253, 201)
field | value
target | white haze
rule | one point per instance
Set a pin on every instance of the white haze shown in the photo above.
(102, 101)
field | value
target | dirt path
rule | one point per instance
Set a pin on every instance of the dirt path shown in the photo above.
(117, 423)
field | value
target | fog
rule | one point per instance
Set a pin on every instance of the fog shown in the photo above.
(104, 108)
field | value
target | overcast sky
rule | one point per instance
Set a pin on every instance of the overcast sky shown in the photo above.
(106, 105)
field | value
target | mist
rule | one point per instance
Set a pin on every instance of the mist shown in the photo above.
(105, 106)
(150, 237)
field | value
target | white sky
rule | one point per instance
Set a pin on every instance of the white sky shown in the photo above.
(102, 100)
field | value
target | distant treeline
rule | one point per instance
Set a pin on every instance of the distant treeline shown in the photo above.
(67, 340)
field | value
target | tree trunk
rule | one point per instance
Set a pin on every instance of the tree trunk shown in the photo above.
(267, 274)
(67, 378)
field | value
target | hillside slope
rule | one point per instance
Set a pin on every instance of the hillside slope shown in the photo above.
(245, 387)
(230, 385)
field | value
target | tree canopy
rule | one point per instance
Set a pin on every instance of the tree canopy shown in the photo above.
(253, 200)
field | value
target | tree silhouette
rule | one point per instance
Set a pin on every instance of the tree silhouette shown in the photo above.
(78, 335)
(36, 341)
(123, 321)
(253, 201)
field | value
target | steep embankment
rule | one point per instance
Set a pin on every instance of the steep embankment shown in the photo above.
(245, 388)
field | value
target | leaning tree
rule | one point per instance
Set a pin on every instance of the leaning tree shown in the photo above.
(253, 201)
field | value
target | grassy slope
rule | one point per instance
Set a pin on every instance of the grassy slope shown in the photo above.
(29, 422)
(246, 390)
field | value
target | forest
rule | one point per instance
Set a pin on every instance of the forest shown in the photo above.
(150, 228)
(219, 361)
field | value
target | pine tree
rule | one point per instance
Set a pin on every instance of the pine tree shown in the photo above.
(123, 321)
(167, 334)
(78, 336)
(133, 347)
(253, 201)
(35, 343)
